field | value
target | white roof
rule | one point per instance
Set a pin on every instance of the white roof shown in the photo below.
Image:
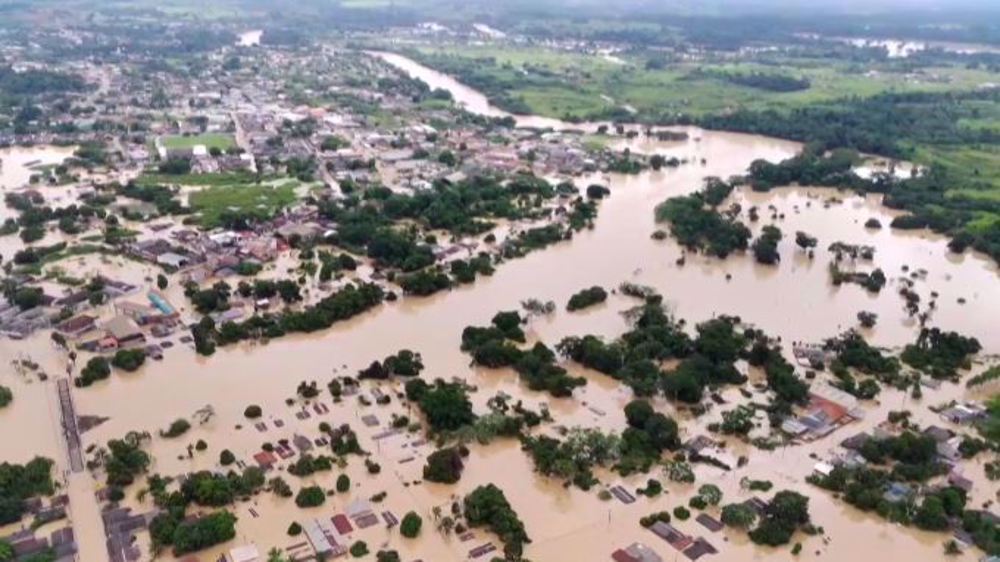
(245, 553)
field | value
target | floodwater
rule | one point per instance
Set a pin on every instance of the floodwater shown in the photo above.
(793, 300)
(17, 163)
(902, 48)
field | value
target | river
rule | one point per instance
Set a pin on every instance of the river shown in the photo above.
(793, 300)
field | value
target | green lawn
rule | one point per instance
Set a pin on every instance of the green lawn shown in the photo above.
(258, 200)
(560, 83)
(221, 141)
(219, 179)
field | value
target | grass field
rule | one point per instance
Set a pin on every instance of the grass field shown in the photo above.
(221, 141)
(575, 84)
(205, 180)
(258, 200)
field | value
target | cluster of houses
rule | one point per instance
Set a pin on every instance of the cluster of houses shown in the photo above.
(829, 409)
(28, 542)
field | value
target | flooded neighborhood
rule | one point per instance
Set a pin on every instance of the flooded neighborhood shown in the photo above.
(400, 290)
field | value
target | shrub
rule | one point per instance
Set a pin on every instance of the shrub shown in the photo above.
(359, 549)
(310, 496)
(177, 428)
(410, 526)
(343, 483)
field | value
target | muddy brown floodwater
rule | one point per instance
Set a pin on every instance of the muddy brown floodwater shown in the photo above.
(794, 300)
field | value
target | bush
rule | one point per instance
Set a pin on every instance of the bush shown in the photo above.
(359, 549)
(200, 445)
(410, 526)
(343, 483)
(253, 412)
(681, 513)
(177, 428)
(587, 297)
(444, 466)
(310, 496)
(97, 368)
(226, 457)
(294, 529)
(129, 359)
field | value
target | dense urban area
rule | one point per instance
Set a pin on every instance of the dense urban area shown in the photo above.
(440, 280)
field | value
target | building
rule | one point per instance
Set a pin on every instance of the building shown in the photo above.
(124, 331)
(246, 553)
(77, 326)
(635, 552)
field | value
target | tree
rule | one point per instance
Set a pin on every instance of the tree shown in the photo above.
(97, 368)
(931, 515)
(343, 483)
(409, 527)
(6, 396)
(129, 359)
(805, 241)
(161, 281)
(204, 532)
(444, 466)
(765, 247)
(252, 412)
(738, 515)
(446, 406)
(226, 457)
(310, 496)
(710, 493)
(359, 549)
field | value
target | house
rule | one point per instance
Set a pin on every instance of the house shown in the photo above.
(77, 325)
(964, 413)
(246, 553)
(700, 548)
(855, 442)
(959, 481)
(265, 459)
(123, 331)
(322, 537)
(342, 524)
(938, 433)
(897, 492)
(172, 259)
(635, 552)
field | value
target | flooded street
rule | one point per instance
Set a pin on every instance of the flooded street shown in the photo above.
(794, 300)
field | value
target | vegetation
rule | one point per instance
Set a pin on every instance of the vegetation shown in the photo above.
(19, 483)
(698, 225)
(940, 354)
(487, 506)
(586, 298)
(97, 368)
(310, 496)
(787, 512)
(409, 527)
(128, 359)
(445, 405)
(444, 465)
(493, 347)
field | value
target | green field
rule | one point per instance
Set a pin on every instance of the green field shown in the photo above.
(260, 201)
(221, 141)
(564, 84)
